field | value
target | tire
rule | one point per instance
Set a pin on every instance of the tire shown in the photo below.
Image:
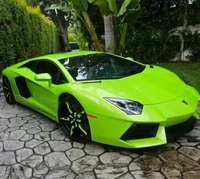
(7, 90)
(73, 120)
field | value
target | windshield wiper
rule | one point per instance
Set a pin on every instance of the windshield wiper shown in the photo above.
(106, 77)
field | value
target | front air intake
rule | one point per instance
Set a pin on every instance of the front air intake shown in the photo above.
(140, 131)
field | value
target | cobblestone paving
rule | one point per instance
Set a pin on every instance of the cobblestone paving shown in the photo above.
(32, 146)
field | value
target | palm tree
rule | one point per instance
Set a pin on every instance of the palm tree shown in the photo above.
(81, 7)
(118, 15)
(110, 44)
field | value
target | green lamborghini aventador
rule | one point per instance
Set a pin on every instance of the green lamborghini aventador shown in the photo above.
(105, 98)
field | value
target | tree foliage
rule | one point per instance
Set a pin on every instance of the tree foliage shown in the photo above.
(98, 24)
(61, 14)
(123, 13)
(81, 7)
(155, 37)
(24, 32)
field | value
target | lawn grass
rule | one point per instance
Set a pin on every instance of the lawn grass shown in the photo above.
(188, 71)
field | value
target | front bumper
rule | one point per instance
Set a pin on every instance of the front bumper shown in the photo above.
(142, 131)
(153, 134)
(180, 129)
(157, 124)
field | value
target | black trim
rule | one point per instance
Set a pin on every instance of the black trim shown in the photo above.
(180, 129)
(86, 82)
(140, 131)
(22, 87)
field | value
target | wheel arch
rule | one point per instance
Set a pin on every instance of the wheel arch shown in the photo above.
(7, 89)
(4, 76)
(62, 95)
(65, 94)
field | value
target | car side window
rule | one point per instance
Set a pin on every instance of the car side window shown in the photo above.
(44, 66)
(61, 79)
(31, 65)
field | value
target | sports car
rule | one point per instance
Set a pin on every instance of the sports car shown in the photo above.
(104, 97)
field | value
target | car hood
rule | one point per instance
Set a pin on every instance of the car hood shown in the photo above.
(153, 85)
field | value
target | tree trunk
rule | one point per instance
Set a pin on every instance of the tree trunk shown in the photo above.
(64, 35)
(182, 57)
(110, 45)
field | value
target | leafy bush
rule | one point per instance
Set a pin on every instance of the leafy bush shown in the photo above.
(151, 45)
(150, 40)
(192, 42)
(24, 33)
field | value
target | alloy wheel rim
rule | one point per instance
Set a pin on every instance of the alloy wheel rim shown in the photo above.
(7, 90)
(73, 120)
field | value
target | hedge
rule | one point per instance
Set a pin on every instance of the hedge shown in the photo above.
(24, 33)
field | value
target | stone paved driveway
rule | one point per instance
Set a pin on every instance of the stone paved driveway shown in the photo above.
(32, 146)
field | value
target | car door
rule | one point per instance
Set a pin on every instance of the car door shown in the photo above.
(43, 94)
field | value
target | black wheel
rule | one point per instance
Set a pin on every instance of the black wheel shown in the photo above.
(73, 120)
(7, 90)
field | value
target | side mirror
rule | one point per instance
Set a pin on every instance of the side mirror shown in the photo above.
(130, 58)
(43, 77)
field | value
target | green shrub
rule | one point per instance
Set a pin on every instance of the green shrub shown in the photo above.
(151, 45)
(24, 33)
(192, 42)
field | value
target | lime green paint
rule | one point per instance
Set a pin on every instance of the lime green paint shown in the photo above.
(160, 91)
(43, 77)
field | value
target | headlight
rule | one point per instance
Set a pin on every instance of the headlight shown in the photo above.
(128, 106)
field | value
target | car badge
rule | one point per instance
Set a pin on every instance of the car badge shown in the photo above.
(185, 102)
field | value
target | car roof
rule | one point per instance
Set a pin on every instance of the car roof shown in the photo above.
(58, 56)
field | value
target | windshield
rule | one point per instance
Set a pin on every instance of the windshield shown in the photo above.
(100, 66)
